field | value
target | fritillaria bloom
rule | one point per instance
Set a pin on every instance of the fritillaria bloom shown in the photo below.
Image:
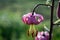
(42, 36)
(32, 20)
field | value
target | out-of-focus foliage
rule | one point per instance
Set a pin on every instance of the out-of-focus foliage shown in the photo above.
(11, 12)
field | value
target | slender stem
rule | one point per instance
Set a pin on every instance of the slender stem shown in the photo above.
(56, 24)
(51, 25)
(38, 6)
(57, 21)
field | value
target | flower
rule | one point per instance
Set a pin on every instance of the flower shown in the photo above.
(32, 19)
(42, 36)
(58, 11)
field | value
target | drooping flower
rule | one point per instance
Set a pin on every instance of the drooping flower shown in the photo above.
(58, 11)
(42, 36)
(32, 19)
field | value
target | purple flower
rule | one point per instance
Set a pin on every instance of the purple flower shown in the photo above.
(32, 19)
(42, 36)
(58, 11)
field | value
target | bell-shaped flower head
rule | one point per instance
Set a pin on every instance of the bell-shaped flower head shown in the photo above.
(32, 19)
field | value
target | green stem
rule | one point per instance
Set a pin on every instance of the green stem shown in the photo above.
(34, 27)
(30, 28)
(57, 21)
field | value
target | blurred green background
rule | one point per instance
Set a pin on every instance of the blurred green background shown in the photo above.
(11, 25)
